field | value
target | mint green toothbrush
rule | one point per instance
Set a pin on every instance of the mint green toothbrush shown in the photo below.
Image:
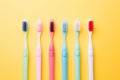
(25, 51)
(77, 49)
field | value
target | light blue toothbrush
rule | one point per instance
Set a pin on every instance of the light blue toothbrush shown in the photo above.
(25, 51)
(64, 52)
(77, 49)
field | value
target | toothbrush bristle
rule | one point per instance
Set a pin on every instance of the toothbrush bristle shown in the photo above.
(39, 26)
(64, 26)
(77, 25)
(25, 25)
(52, 26)
(90, 25)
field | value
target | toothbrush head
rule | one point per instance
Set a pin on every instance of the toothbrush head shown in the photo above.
(25, 25)
(52, 25)
(90, 25)
(39, 26)
(64, 26)
(77, 25)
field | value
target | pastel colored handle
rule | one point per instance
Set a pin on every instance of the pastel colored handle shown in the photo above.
(77, 57)
(51, 64)
(64, 68)
(90, 64)
(90, 59)
(25, 64)
(64, 65)
(77, 62)
(38, 65)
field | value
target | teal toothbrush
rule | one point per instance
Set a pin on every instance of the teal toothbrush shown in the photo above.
(64, 52)
(25, 51)
(77, 49)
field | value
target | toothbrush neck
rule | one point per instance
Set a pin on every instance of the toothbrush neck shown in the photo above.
(25, 40)
(90, 40)
(51, 41)
(64, 42)
(77, 39)
(51, 37)
(39, 35)
(90, 36)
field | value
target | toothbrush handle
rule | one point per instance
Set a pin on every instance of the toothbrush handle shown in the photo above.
(77, 62)
(25, 64)
(64, 65)
(51, 65)
(90, 64)
(38, 64)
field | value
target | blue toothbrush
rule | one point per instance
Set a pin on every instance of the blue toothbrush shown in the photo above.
(64, 52)
(77, 49)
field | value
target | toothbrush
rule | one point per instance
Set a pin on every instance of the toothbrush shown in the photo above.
(77, 49)
(64, 52)
(90, 49)
(38, 51)
(25, 51)
(51, 51)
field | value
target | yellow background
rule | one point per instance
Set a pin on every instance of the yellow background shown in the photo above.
(106, 36)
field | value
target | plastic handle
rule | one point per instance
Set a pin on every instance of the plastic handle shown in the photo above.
(51, 57)
(90, 62)
(77, 62)
(25, 64)
(64, 60)
(38, 65)
(38, 59)
(90, 58)
(77, 57)
(64, 65)
(51, 64)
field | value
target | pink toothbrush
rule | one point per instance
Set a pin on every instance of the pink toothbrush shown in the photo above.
(51, 51)
(38, 52)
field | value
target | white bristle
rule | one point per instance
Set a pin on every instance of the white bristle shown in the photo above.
(25, 20)
(77, 25)
(89, 19)
(39, 26)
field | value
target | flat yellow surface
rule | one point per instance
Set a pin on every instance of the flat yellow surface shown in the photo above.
(106, 37)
